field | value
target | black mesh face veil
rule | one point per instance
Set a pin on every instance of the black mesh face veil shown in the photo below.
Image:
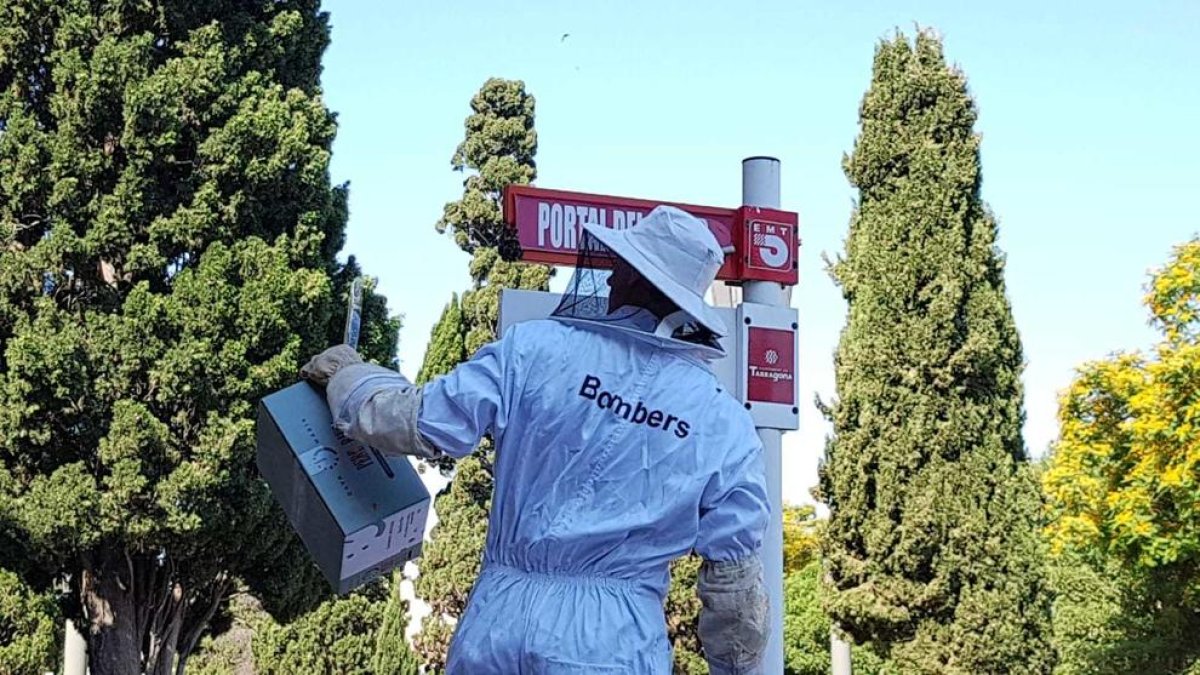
(587, 293)
(696, 334)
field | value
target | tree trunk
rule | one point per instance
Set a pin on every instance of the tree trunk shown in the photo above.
(114, 647)
(203, 607)
(141, 618)
(164, 635)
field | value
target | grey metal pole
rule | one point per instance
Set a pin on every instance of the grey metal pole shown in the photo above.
(761, 187)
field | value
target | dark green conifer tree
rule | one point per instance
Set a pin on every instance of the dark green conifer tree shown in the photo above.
(168, 243)
(932, 544)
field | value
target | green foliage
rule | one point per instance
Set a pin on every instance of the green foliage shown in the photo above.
(222, 655)
(337, 638)
(1108, 621)
(1124, 476)
(360, 633)
(801, 537)
(1122, 485)
(498, 148)
(446, 348)
(356, 634)
(392, 654)
(806, 629)
(228, 649)
(800, 548)
(29, 628)
(481, 304)
(932, 545)
(451, 561)
(169, 237)
(805, 626)
(433, 642)
(683, 617)
(499, 145)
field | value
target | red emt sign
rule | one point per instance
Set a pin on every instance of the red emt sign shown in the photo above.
(769, 246)
(760, 244)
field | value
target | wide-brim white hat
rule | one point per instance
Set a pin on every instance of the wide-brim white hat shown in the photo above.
(674, 251)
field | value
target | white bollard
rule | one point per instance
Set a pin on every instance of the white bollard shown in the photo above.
(839, 650)
(74, 651)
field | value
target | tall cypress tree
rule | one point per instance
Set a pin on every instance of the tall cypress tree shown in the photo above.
(169, 237)
(932, 543)
(498, 149)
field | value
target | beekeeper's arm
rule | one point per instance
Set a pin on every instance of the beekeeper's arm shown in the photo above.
(734, 510)
(381, 408)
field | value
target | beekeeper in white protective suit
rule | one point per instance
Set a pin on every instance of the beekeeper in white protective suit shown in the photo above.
(617, 451)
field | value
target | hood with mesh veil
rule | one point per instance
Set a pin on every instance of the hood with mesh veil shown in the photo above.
(673, 251)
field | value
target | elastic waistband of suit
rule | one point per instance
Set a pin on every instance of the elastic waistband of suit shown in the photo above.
(570, 577)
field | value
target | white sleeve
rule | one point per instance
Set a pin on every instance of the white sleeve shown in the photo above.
(469, 401)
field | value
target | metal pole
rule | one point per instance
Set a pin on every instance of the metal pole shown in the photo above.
(761, 187)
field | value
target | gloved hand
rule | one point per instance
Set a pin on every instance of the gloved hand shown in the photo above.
(734, 618)
(323, 366)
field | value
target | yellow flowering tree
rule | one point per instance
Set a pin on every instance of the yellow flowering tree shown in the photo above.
(1123, 481)
(801, 537)
(1125, 474)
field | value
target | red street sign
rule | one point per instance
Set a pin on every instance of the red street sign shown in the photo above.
(549, 227)
(549, 223)
(771, 366)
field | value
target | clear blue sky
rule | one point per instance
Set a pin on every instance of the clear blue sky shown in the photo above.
(1090, 115)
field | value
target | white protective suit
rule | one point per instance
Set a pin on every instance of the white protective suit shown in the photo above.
(616, 452)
